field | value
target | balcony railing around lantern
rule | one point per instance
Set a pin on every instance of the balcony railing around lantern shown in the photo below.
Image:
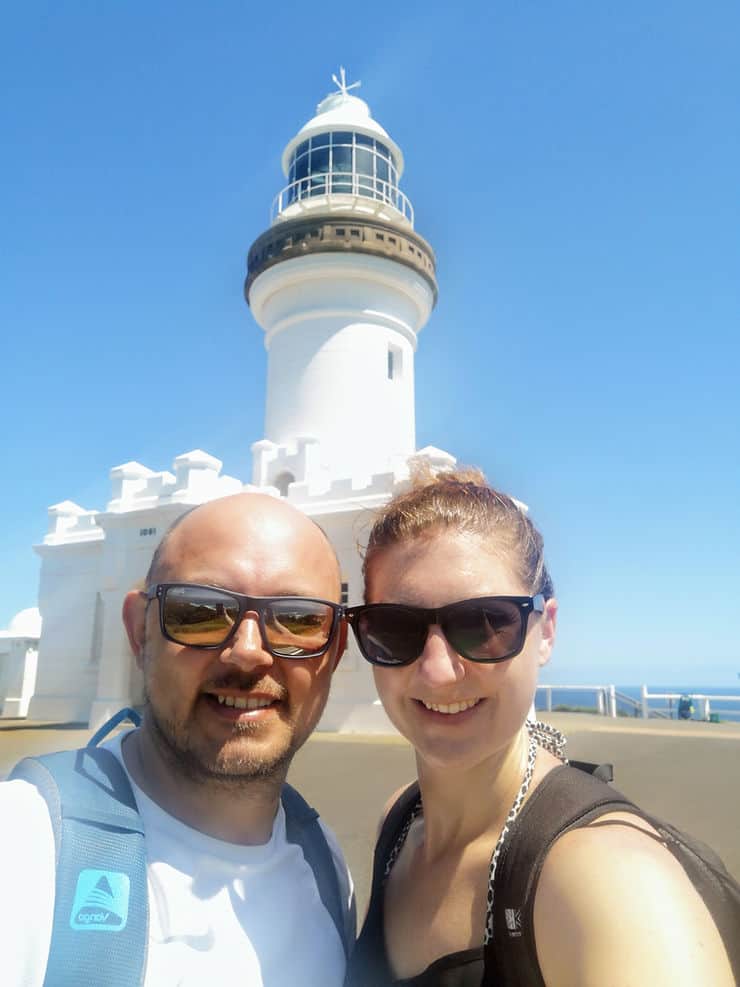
(338, 184)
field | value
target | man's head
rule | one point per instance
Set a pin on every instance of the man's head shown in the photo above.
(235, 712)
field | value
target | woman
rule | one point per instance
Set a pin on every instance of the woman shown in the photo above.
(460, 615)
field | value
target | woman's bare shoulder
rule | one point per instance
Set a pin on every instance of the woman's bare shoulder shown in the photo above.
(613, 906)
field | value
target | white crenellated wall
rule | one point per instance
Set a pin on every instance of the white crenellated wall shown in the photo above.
(89, 561)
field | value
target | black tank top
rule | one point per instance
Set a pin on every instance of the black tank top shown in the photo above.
(497, 962)
(368, 965)
(564, 799)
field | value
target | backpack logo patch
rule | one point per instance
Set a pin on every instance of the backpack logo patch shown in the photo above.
(101, 901)
(513, 918)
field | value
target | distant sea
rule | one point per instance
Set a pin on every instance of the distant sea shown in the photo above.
(726, 711)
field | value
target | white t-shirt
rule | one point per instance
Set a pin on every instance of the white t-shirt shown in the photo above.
(248, 914)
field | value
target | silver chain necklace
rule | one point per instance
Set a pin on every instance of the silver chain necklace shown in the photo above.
(540, 735)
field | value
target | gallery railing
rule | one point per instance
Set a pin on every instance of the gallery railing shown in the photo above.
(342, 184)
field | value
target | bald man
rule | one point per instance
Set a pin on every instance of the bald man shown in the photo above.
(237, 633)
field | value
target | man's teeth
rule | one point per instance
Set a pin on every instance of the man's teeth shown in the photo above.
(451, 707)
(239, 702)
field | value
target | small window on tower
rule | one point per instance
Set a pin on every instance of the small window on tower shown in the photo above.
(345, 593)
(395, 362)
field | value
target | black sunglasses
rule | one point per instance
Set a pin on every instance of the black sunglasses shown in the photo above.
(207, 617)
(487, 629)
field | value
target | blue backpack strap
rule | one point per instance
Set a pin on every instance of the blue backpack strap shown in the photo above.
(100, 929)
(302, 827)
(127, 713)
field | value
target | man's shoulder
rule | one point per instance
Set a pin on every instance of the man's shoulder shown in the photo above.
(27, 850)
(27, 857)
(20, 799)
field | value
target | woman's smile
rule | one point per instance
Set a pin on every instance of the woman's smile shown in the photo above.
(450, 709)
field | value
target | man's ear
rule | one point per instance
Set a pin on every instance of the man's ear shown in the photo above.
(341, 643)
(134, 620)
(548, 624)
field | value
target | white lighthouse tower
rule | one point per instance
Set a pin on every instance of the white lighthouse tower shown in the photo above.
(341, 285)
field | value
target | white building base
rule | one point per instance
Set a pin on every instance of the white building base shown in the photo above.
(59, 709)
(366, 718)
(18, 659)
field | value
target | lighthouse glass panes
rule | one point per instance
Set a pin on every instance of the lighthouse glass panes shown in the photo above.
(343, 163)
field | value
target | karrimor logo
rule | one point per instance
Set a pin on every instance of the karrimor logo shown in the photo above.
(101, 901)
(513, 918)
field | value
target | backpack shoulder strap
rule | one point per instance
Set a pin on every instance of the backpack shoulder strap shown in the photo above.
(565, 798)
(100, 926)
(302, 827)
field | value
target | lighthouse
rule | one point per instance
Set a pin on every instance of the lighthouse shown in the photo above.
(342, 285)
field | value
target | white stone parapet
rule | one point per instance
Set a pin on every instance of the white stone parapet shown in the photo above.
(69, 522)
(134, 487)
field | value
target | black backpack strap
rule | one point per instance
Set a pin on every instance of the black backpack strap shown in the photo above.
(390, 831)
(302, 827)
(565, 799)
(100, 925)
(604, 772)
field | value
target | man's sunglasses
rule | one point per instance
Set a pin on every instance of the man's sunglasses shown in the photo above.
(207, 617)
(487, 629)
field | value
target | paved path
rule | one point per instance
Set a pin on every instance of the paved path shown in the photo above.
(686, 772)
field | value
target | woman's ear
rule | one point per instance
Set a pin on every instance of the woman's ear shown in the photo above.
(547, 630)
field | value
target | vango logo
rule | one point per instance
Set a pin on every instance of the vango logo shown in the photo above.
(101, 901)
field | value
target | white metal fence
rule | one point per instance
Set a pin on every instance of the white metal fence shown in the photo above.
(607, 700)
(606, 703)
(703, 701)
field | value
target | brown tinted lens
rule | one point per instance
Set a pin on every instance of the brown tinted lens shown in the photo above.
(198, 617)
(298, 627)
(485, 632)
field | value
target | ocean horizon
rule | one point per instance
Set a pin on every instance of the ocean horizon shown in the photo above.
(568, 697)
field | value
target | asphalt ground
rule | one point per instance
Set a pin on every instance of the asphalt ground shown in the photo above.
(688, 773)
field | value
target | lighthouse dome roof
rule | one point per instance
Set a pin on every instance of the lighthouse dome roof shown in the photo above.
(26, 623)
(342, 111)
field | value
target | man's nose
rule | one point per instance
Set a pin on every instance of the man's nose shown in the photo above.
(439, 664)
(246, 648)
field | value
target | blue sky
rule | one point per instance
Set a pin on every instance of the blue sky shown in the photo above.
(574, 165)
